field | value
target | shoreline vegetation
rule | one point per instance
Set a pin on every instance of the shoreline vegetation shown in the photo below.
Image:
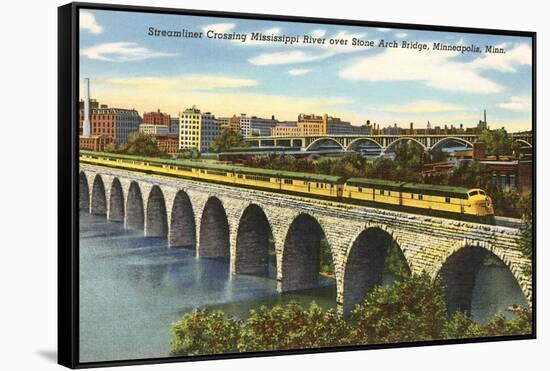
(411, 309)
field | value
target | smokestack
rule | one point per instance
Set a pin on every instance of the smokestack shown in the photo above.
(86, 125)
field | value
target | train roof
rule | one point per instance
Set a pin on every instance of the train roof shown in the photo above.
(223, 167)
(428, 189)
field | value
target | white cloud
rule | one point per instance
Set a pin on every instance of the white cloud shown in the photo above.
(380, 29)
(290, 57)
(89, 23)
(219, 27)
(299, 71)
(424, 106)
(318, 33)
(517, 104)
(272, 31)
(517, 56)
(401, 35)
(184, 83)
(121, 52)
(314, 52)
(437, 70)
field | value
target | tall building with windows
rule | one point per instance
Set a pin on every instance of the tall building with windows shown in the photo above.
(174, 125)
(190, 128)
(256, 126)
(114, 123)
(311, 124)
(197, 130)
(210, 129)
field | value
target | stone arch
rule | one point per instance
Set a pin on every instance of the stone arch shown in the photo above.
(156, 224)
(316, 142)
(523, 141)
(365, 264)
(116, 202)
(83, 192)
(301, 254)
(447, 139)
(214, 230)
(459, 271)
(254, 234)
(356, 141)
(182, 223)
(134, 207)
(405, 139)
(99, 198)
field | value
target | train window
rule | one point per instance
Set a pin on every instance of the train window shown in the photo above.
(412, 196)
(420, 197)
(389, 193)
(382, 192)
(482, 193)
(359, 189)
(448, 200)
(288, 181)
(332, 186)
(473, 193)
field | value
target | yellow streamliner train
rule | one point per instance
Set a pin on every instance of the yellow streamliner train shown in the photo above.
(452, 202)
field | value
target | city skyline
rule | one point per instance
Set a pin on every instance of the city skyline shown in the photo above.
(130, 69)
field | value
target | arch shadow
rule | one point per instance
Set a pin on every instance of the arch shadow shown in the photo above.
(99, 199)
(182, 222)
(373, 254)
(301, 260)
(134, 208)
(254, 243)
(156, 224)
(459, 274)
(116, 202)
(214, 231)
(83, 192)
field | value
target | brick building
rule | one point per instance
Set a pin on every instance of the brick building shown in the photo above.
(168, 143)
(156, 118)
(116, 123)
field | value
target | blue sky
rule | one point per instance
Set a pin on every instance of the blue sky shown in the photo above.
(130, 69)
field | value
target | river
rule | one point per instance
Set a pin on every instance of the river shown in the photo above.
(132, 288)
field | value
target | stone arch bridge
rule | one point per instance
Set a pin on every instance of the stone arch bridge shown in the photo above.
(222, 221)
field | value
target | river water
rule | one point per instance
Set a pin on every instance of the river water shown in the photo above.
(132, 289)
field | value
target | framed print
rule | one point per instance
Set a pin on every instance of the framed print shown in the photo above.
(236, 185)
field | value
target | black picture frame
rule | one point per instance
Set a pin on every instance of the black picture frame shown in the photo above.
(68, 216)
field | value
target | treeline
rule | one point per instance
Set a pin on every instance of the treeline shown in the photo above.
(410, 310)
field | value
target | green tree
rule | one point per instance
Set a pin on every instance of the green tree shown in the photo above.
(470, 174)
(461, 326)
(410, 155)
(500, 326)
(227, 140)
(141, 144)
(205, 332)
(292, 327)
(412, 309)
(498, 142)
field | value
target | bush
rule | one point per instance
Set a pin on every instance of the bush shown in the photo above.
(292, 327)
(409, 310)
(205, 332)
(500, 326)
(461, 326)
